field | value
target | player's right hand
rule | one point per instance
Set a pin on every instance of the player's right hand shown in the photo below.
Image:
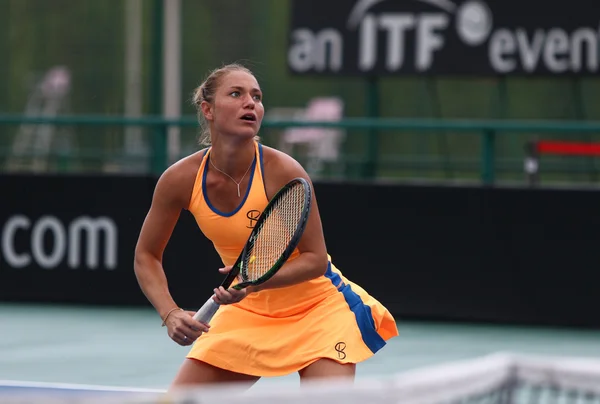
(183, 329)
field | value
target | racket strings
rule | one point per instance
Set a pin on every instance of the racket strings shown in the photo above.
(275, 233)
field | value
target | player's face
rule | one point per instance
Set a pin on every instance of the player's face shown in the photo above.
(238, 108)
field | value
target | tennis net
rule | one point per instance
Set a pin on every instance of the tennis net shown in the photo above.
(499, 378)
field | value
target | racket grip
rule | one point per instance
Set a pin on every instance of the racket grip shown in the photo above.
(207, 311)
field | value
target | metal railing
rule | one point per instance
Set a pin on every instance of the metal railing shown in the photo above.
(488, 131)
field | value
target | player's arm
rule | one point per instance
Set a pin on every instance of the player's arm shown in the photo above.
(171, 195)
(312, 261)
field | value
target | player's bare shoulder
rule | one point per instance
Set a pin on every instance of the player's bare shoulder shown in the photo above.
(279, 169)
(177, 181)
(276, 161)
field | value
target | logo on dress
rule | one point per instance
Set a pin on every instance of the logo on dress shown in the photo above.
(340, 347)
(253, 216)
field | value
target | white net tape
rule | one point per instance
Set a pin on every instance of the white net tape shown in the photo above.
(498, 378)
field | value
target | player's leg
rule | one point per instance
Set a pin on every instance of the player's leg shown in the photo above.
(194, 373)
(327, 368)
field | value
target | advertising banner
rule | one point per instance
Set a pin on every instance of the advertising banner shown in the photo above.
(439, 253)
(444, 37)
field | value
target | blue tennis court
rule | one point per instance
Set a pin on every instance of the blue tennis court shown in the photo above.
(70, 348)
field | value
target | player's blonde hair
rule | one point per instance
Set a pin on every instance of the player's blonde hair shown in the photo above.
(206, 92)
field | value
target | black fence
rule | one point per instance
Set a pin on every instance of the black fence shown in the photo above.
(440, 253)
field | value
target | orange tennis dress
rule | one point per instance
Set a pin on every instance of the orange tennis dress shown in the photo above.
(276, 332)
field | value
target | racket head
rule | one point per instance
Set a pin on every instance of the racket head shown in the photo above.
(275, 235)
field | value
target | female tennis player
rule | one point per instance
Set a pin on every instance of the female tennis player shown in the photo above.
(308, 318)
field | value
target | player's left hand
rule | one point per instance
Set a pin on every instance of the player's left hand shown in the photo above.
(228, 296)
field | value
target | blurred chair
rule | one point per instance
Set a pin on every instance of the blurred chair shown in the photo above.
(33, 143)
(322, 144)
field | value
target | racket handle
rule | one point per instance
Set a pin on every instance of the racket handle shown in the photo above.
(207, 311)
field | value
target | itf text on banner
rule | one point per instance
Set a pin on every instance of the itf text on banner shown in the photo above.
(447, 37)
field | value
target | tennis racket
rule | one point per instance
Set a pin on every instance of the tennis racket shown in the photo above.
(271, 242)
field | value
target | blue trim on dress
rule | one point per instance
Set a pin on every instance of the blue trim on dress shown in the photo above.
(362, 312)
